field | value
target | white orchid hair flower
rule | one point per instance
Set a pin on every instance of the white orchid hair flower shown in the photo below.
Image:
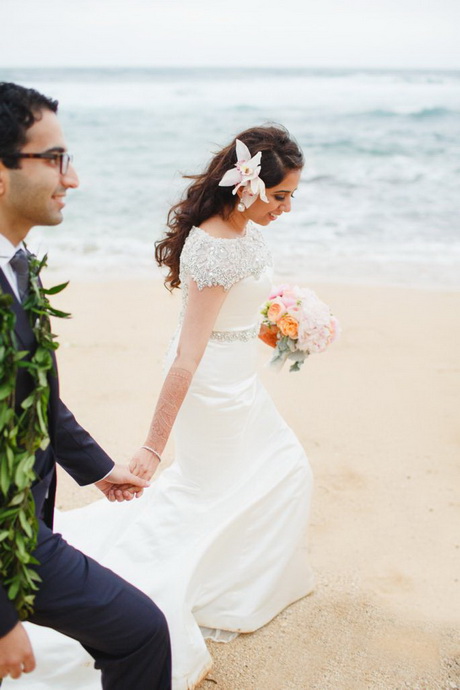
(245, 174)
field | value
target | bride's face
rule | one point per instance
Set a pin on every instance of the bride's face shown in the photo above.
(279, 200)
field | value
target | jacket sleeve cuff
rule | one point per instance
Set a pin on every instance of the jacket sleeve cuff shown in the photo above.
(8, 614)
(101, 478)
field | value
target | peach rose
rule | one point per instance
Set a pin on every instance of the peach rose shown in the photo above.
(289, 326)
(275, 311)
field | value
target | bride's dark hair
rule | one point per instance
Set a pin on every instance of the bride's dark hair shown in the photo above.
(204, 198)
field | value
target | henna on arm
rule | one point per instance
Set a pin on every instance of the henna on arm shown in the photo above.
(201, 313)
(172, 394)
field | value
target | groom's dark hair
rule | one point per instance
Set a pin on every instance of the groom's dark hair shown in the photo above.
(19, 109)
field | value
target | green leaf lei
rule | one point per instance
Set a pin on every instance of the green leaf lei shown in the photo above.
(22, 432)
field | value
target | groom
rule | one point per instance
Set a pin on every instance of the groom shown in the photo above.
(119, 626)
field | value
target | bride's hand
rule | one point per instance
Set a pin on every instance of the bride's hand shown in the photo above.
(144, 463)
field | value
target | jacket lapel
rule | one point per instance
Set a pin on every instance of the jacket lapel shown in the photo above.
(26, 339)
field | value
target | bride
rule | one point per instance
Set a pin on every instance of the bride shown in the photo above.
(219, 540)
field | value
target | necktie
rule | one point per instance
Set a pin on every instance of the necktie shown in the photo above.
(20, 266)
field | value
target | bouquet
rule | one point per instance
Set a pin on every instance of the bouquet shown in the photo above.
(297, 324)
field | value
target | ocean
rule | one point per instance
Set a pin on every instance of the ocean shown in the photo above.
(379, 197)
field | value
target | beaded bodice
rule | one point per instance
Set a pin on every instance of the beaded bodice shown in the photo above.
(243, 266)
(212, 260)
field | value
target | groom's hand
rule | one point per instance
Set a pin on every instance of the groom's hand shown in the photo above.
(16, 654)
(121, 484)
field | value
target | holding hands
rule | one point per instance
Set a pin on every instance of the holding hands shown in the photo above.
(122, 484)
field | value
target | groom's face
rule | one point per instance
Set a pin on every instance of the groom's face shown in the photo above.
(34, 194)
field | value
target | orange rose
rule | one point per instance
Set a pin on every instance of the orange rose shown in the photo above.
(288, 326)
(269, 334)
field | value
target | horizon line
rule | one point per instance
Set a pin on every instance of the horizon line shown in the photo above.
(245, 68)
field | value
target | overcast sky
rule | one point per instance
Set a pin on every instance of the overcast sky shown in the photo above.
(304, 33)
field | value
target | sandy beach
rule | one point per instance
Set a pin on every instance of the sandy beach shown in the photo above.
(378, 416)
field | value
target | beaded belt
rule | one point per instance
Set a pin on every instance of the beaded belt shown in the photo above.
(231, 336)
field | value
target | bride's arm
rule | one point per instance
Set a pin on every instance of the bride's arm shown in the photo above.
(202, 309)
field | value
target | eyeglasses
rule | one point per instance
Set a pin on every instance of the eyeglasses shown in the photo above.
(62, 157)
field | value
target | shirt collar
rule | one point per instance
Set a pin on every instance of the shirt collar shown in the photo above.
(7, 250)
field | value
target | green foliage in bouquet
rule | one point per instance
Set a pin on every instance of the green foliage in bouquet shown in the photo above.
(23, 430)
(286, 350)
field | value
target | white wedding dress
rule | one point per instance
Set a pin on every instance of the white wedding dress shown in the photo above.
(219, 539)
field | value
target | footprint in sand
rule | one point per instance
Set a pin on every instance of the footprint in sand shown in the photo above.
(393, 583)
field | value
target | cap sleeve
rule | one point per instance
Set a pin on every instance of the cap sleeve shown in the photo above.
(211, 261)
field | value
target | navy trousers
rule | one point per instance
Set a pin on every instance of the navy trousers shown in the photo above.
(122, 629)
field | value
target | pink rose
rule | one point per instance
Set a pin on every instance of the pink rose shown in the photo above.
(278, 291)
(289, 301)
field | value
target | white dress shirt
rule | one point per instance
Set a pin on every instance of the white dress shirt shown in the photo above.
(7, 251)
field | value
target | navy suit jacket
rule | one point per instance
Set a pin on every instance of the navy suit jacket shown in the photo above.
(70, 446)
